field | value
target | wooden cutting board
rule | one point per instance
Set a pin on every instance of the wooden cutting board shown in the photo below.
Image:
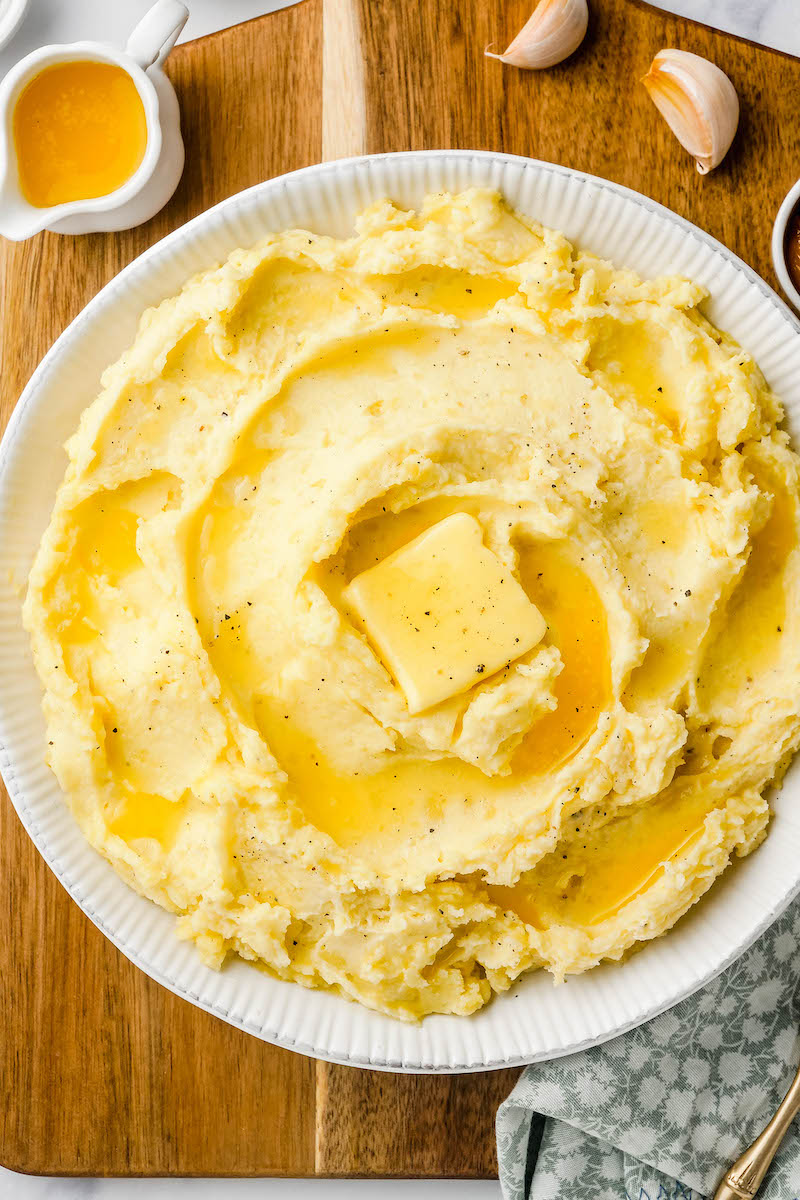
(103, 1072)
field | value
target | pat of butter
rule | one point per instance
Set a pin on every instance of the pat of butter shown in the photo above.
(444, 613)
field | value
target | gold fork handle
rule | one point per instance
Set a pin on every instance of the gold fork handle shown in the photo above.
(744, 1178)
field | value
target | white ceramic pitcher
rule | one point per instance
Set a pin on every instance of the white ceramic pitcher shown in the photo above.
(156, 177)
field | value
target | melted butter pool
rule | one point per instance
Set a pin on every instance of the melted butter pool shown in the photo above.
(588, 880)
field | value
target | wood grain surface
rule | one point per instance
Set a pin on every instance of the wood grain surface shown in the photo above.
(103, 1072)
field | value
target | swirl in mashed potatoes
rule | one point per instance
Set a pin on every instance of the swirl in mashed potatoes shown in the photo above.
(227, 731)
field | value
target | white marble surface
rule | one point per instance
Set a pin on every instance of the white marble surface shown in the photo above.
(27, 1187)
(773, 22)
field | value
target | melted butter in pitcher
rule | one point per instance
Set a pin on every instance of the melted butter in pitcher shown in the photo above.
(80, 131)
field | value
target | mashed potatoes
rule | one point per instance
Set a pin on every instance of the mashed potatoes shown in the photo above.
(220, 716)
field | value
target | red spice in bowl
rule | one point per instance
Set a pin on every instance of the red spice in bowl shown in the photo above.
(791, 247)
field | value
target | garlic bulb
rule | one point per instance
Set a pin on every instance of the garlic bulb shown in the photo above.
(555, 29)
(698, 102)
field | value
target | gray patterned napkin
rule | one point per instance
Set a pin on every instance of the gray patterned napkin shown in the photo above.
(661, 1112)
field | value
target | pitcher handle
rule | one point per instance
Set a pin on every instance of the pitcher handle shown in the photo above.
(157, 32)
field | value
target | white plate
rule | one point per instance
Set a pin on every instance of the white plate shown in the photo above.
(535, 1020)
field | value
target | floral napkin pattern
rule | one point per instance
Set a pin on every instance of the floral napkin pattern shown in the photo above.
(660, 1113)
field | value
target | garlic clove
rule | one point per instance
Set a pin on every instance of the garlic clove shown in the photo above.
(698, 102)
(554, 30)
